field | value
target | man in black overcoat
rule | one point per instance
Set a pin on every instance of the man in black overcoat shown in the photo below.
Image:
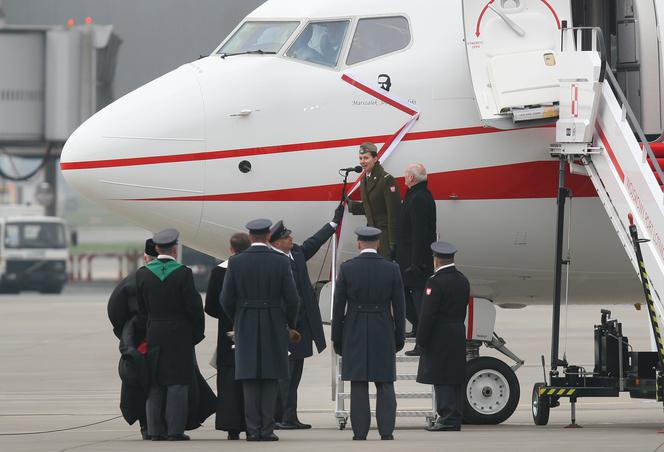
(230, 404)
(309, 322)
(368, 323)
(441, 337)
(415, 233)
(259, 294)
(123, 313)
(175, 324)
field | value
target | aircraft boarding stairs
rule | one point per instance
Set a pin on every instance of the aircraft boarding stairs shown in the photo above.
(407, 391)
(598, 134)
(568, 83)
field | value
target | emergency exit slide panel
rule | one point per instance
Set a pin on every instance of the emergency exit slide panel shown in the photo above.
(507, 43)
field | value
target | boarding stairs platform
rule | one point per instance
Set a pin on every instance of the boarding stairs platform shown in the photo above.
(567, 83)
(598, 134)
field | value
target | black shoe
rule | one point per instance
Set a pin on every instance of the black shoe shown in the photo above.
(284, 426)
(296, 425)
(233, 436)
(270, 437)
(387, 437)
(158, 438)
(253, 437)
(357, 438)
(302, 425)
(413, 352)
(438, 427)
(411, 334)
(179, 437)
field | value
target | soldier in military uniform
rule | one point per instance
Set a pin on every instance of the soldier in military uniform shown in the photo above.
(309, 323)
(380, 200)
(368, 327)
(441, 337)
(260, 296)
(175, 324)
(123, 313)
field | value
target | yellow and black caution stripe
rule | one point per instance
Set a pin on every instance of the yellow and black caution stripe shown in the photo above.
(647, 290)
(652, 312)
(559, 392)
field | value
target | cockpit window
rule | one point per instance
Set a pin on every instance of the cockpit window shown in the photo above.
(320, 42)
(378, 36)
(264, 36)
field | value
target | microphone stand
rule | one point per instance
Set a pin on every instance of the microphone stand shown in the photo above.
(343, 187)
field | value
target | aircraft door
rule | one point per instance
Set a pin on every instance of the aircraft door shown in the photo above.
(508, 43)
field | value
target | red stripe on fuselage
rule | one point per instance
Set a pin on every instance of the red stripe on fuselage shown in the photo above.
(516, 181)
(278, 149)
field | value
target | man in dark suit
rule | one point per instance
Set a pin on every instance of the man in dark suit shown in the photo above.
(175, 323)
(230, 404)
(309, 322)
(415, 233)
(441, 337)
(368, 324)
(380, 199)
(123, 313)
(259, 294)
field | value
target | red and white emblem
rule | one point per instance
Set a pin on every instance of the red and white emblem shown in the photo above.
(393, 189)
(428, 290)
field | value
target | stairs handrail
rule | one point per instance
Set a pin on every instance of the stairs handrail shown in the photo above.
(606, 72)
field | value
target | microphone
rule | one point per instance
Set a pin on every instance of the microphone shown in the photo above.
(354, 169)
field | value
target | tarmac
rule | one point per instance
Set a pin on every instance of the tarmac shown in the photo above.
(58, 370)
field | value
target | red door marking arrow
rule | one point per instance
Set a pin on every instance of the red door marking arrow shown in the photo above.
(479, 19)
(553, 11)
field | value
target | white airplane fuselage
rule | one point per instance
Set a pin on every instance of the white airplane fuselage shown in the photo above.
(168, 155)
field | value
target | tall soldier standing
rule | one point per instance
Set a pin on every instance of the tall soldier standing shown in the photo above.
(175, 323)
(309, 322)
(259, 294)
(368, 323)
(380, 199)
(441, 337)
(230, 405)
(123, 313)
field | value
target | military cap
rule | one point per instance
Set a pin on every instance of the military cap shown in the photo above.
(166, 238)
(279, 231)
(150, 249)
(259, 227)
(367, 234)
(368, 147)
(443, 249)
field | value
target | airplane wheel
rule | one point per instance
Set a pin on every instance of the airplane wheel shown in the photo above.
(492, 391)
(541, 405)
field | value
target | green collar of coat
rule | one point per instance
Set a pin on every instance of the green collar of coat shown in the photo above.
(163, 269)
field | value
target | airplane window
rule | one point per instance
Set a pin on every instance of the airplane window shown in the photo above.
(265, 36)
(320, 43)
(378, 36)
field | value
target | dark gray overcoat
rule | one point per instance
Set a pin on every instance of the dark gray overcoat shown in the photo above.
(441, 334)
(259, 294)
(415, 234)
(309, 321)
(175, 323)
(368, 318)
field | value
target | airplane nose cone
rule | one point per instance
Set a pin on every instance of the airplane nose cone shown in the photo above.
(121, 151)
